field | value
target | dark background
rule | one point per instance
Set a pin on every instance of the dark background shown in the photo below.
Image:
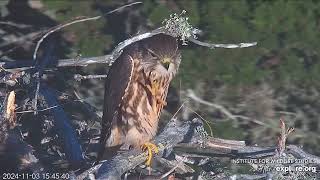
(277, 78)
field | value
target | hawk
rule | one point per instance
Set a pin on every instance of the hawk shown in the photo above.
(135, 93)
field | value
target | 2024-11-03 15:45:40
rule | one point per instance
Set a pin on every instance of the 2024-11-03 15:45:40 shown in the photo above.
(8, 176)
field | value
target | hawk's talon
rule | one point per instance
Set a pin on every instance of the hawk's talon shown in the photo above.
(151, 148)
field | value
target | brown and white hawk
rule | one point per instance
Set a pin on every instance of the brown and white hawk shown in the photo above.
(136, 90)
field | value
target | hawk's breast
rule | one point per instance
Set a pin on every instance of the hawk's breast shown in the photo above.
(137, 118)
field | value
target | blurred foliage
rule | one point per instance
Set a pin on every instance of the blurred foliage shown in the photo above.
(88, 37)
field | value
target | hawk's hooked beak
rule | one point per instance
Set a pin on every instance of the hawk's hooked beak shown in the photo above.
(166, 63)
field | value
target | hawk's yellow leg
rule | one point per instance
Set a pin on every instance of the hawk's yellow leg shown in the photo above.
(150, 148)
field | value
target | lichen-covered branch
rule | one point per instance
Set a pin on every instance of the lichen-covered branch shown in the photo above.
(176, 26)
(186, 140)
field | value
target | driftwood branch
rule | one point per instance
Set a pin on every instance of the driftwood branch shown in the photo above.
(106, 59)
(79, 77)
(171, 135)
(299, 153)
(185, 138)
(173, 28)
(226, 46)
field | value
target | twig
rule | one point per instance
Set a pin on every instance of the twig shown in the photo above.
(173, 168)
(36, 94)
(11, 78)
(14, 24)
(89, 108)
(192, 95)
(88, 172)
(39, 110)
(227, 46)
(79, 77)
(29, 36)
(74, 22)
(222, 109)
(38, 75)
(248, 176)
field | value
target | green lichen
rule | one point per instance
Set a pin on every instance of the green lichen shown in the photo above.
(178, 26)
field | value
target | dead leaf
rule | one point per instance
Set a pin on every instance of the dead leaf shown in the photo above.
(10, 111)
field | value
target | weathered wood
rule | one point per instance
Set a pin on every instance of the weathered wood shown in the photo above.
(174, 133)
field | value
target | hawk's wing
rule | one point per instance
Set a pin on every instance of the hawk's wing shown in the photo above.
(117, 81)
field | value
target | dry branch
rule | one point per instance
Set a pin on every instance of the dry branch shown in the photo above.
(171, 135)
(299, 153)
(175, 29)
(79, 77)
(11, 78)
(185, 138)
(221, 108)
(227, 46)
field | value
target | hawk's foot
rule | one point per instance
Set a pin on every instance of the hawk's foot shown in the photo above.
(151, 148)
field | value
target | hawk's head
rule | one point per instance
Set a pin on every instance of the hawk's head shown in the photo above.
(161, 55)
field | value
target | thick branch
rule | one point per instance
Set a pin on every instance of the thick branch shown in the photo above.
(299, 153)
(171, 135)
(109, 59)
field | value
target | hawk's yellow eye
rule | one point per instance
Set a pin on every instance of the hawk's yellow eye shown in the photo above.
(166, 60)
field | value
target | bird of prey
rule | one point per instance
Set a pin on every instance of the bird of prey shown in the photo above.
(135, 93)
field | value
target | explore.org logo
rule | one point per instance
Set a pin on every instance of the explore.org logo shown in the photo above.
(296, 169)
